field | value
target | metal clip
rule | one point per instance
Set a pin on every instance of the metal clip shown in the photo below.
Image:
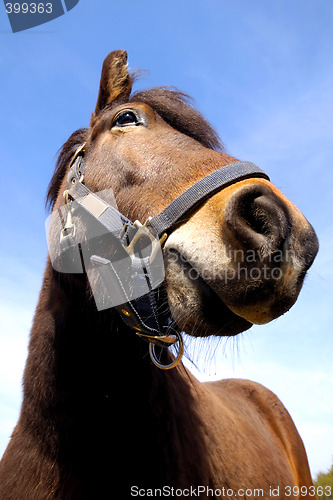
(79, 151)
(69, 228)
(74, 173)
(144, 232)
(161, 340)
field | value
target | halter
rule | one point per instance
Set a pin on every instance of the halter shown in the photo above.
(142, 314)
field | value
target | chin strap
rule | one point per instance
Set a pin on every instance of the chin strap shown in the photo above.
(142, 314)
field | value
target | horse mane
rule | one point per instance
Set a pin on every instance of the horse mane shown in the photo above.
(171, 104)
(65, 155)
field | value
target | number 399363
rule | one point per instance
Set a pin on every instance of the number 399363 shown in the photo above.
(29, 8)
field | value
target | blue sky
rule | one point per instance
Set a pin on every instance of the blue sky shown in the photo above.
(262, 73)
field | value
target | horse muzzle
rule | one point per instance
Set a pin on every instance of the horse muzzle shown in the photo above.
(244, 254)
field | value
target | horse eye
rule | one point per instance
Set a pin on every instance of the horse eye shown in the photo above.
(126, 118)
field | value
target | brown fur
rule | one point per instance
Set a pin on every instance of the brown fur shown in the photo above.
(97, 417)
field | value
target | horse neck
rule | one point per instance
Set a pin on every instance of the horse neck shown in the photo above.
(79, 353)
(88, 375)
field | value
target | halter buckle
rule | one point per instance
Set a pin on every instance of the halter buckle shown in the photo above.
(80, 151)
(69, 228)
(144, 232)
(74, 174)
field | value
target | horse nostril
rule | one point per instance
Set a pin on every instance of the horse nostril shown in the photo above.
(257, 219)
(252, 211)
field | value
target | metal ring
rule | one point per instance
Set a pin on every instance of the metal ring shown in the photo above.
(175, 362)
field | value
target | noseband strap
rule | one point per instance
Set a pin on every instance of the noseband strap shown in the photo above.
(142, 314)
(201, 190)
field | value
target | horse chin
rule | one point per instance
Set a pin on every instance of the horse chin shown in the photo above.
(202, 305)
(196, 308)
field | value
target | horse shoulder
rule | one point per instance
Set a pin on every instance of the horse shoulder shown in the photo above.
(251, 401)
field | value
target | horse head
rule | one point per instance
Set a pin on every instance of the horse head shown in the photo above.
(240, 256)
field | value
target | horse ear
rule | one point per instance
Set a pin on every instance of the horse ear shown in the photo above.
(116, 83)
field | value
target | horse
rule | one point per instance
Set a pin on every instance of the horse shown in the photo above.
(100, 418)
